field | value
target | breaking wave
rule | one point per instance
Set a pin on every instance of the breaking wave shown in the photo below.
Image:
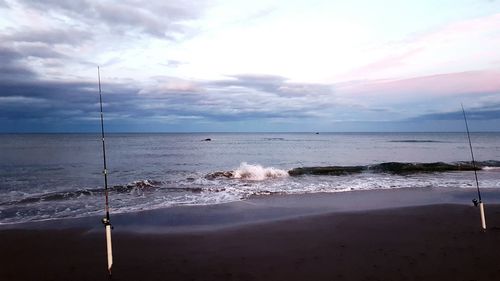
(133, 187)
(259, 173)
(250, 172)
(243, 182)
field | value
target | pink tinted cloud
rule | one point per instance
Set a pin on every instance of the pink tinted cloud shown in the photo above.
(470, 82)
(389, 62)
(457, 46)
(461, 29)
(488, 23)
(168, 86)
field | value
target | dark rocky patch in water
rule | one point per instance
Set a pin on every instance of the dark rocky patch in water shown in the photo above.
(328, 170)
(393, 168)
(223, 174)
(415, 141)
(406, 168)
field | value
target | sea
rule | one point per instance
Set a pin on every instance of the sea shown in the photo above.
(55, 176)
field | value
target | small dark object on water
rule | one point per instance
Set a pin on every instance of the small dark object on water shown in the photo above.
(317, 133)
(207, 140)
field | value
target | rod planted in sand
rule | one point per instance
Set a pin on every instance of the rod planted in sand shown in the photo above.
(106, 221)
(481, 205)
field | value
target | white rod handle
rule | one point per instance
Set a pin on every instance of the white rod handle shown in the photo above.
(483, 219)
(109, 248)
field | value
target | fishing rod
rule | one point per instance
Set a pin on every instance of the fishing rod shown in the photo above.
(475, 201)
(106, 221)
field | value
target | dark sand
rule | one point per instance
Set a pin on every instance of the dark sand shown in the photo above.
(433, 242)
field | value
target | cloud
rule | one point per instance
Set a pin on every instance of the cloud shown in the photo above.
(162, 86)
(273, 96)
(239, 97)
(465, 44)
(277, 85)
(469, 82)
(389, 62)
(158, 18)
(11, 67)
(68, 36)
(49, 49)
(47, 40)
(249, 97)
(473, 114)
(174, 63)
(19, 100)
(260, 100)
(43, 106)
(37, 50)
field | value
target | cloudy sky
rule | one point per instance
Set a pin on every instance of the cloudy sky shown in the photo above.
(312, 65)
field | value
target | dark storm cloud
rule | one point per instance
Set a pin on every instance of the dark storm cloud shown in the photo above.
(11, 67)
(69, 106)
(58, 95)
(158, 18)
(14, 65)
(51, 102)
(247, 98)
(29, 54)
(18, 47)
(8, 56)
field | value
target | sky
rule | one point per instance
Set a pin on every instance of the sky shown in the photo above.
(249, 66)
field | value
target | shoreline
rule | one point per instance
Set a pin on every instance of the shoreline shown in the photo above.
(426, 242)
(261, 209)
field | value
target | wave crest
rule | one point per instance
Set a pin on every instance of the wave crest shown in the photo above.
(257, 172)
(250, 172)
(139, 185)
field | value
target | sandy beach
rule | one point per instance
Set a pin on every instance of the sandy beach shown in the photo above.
(424, 242)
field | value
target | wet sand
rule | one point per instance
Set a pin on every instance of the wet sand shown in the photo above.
(431, 242)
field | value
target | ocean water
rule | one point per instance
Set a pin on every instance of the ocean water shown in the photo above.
(51, 176)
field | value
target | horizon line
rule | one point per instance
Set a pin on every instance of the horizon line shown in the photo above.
(248, 132)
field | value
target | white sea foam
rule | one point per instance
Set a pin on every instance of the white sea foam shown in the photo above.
(488, 168)
(257, 172)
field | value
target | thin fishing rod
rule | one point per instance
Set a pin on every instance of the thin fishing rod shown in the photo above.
(472, 155)
(105, 171)
(106, 221)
